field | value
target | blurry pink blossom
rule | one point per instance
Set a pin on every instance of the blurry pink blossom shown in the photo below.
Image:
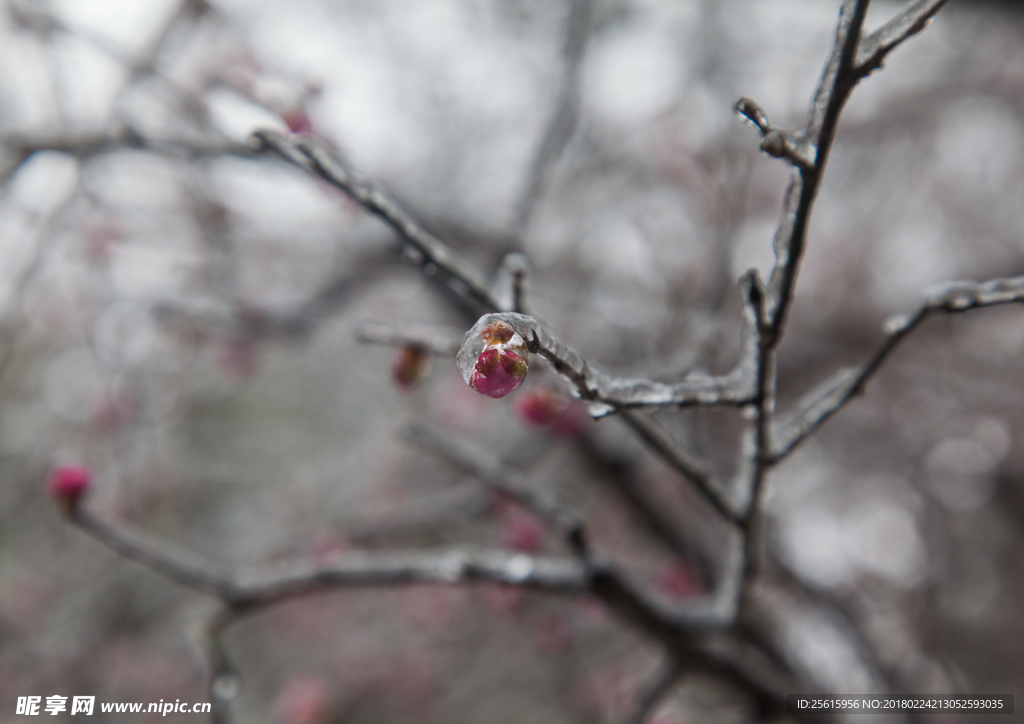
(679, 581)
(522, 531)
(553, 633)
(304, 700)
(239, 356)
(67, 484)
(409, 366)
(540, 406)
(493, 359)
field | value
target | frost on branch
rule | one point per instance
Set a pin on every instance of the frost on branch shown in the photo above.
(493, 359)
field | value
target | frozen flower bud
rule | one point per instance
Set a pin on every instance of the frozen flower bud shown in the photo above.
(67, 485)
(493, 359)
(497, 372)
(409, 366)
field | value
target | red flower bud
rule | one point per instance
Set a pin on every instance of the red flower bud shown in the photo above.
(67, 485)
(493, 359)
(409, 366)
(297, 121)
(304, 700)
(540, 407)
(679, 581)
(523, 532)
(497, 372)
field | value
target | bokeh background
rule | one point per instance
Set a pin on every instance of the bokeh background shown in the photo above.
(179, 315)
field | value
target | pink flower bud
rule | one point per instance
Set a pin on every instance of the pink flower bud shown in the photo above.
(297, 121)
(498, 371)
(573, 420)
(493, 359)
(523, 532)
(409, 366)
(540, 407)
(67, 485)
(304, 700)
(679, 581)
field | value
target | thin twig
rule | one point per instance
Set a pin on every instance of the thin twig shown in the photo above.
(560, 128)
(815, 139)
(823, 402)
(247, 591)
(441, 341)
(512, 280)
(658, 440)
(609, 394)
(474, 459)
(912, 20)
(808, 150)
(664, 681)
(311, 156)
(156, 557)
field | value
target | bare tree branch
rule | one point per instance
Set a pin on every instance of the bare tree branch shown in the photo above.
(658, 440)
(563, 121)
(490, 469)
(88, 144)
(441, 341)
(807, 149)
(815, 141)
(774, 140)
(914, 18)
(609, 394)
(245, 591)
(663, 683)
(834, 393)
(460, 565)
(512, 280)
(434, 254)
(705, 634)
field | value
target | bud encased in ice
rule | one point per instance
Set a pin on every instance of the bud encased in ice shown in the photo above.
(494, 359)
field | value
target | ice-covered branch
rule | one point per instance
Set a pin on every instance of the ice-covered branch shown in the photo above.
(607, 393)
(834, 393)
(563, 120)
(156, 557)
(808, 147)
(307, 154)
(695, 471)
(394, 568)
(491, 470)
(245, 591)
(84, 144)
(442, 341)
(912, 20)
(775, 141)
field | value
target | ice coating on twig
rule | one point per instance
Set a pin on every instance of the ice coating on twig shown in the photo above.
(607, 393)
